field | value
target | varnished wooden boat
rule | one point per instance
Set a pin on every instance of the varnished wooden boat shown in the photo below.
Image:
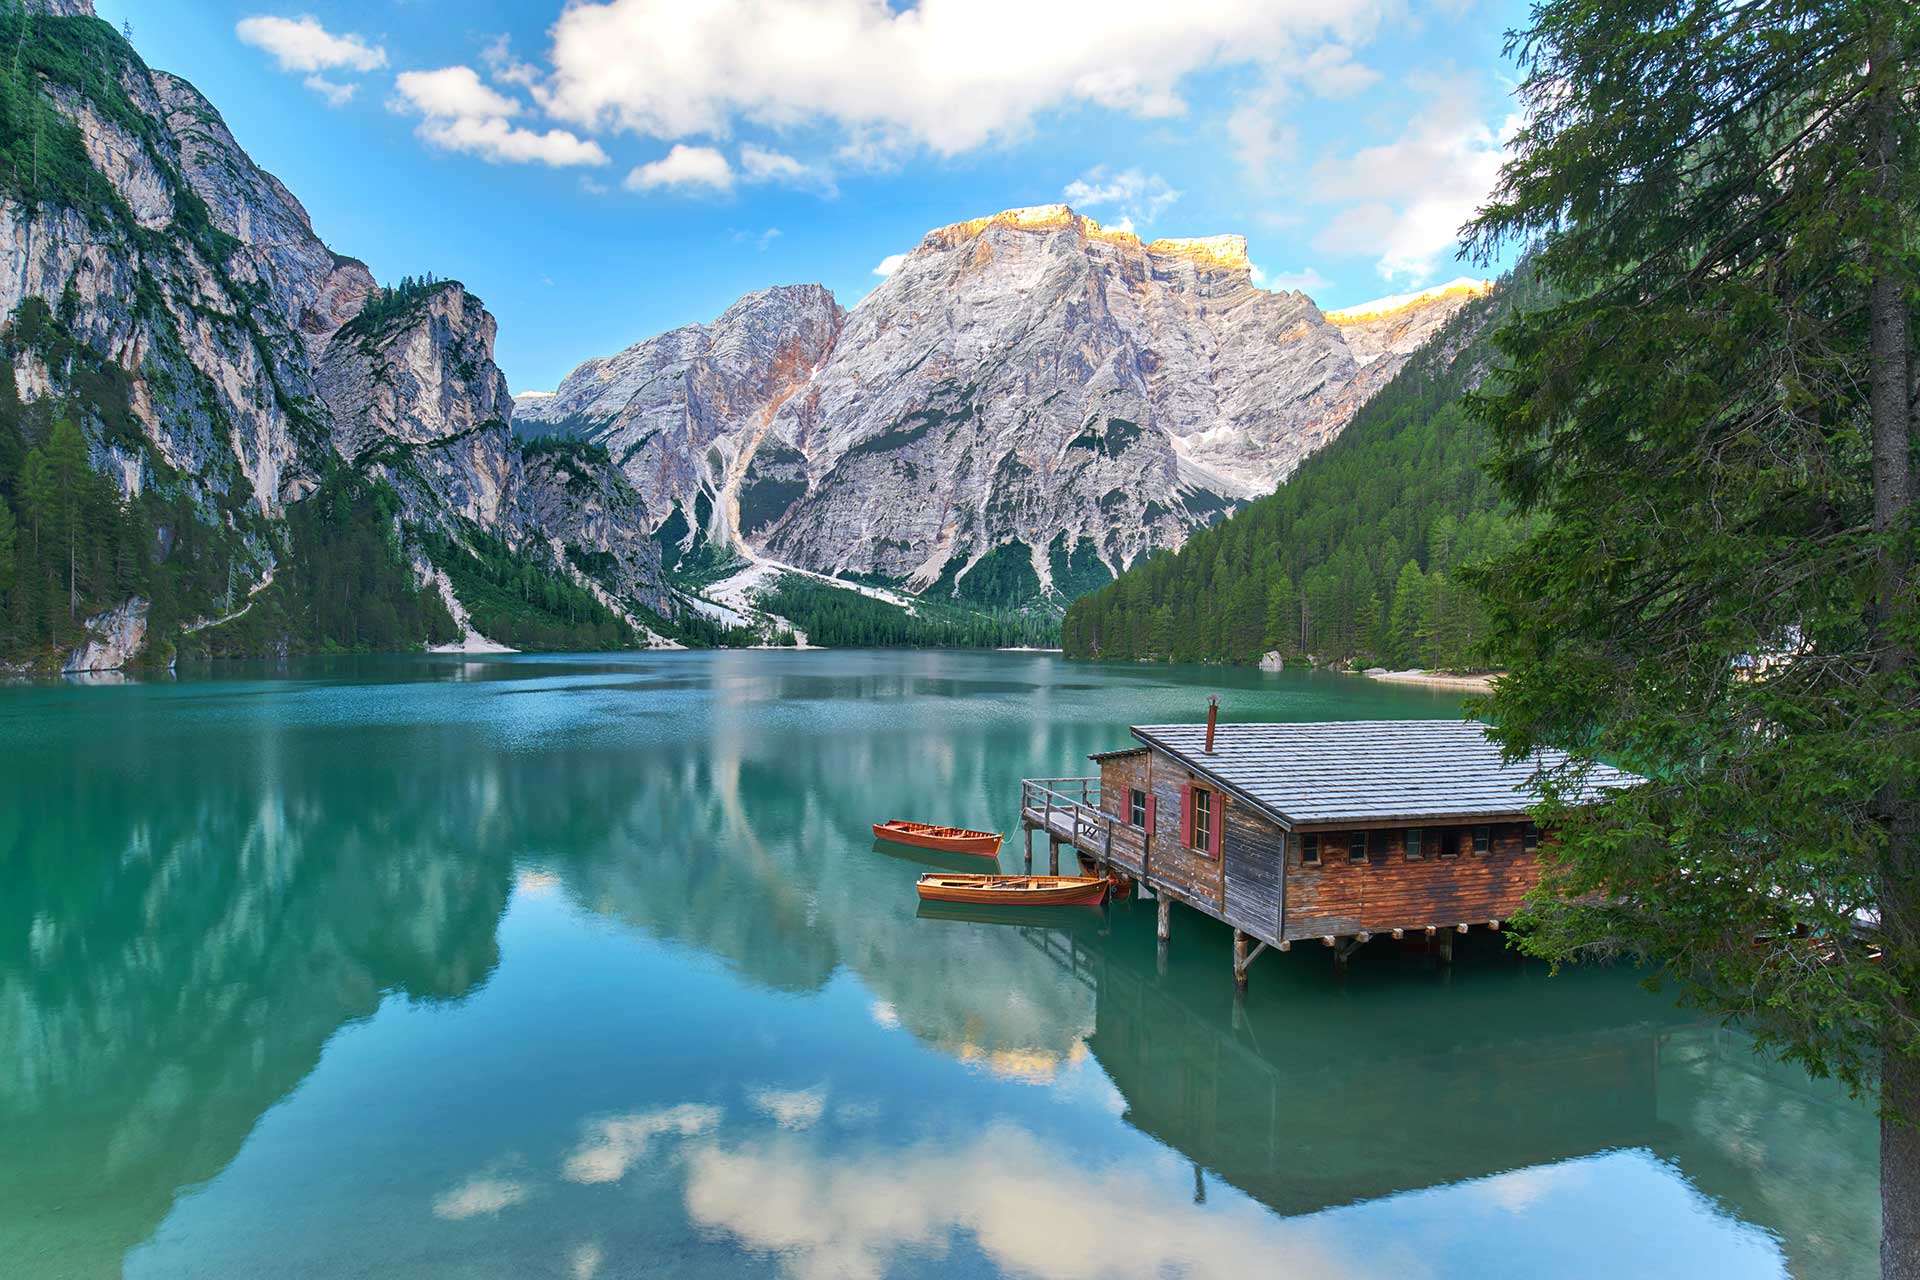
(924, 835)
(1032, 891)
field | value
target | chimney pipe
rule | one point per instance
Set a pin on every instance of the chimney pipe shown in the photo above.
(1213, 718)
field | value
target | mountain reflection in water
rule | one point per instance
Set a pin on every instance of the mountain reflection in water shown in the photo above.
(584, 967)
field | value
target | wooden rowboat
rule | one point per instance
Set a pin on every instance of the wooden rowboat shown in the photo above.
(925, 835)
(1032, 891)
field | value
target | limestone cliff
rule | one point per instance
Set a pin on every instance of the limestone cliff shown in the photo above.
(415, 394)
(173, 297)
(684, 413)
(1030, 386)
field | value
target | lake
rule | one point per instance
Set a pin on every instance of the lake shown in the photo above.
(590, 967)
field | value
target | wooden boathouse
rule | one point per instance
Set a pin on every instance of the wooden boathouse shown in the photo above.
(1331, 833)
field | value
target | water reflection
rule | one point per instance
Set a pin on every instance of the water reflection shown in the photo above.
(532, 931)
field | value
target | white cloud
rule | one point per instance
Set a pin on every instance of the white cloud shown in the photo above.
(886, 267)
(763, 164)
(478, 1196)
(461, 113)
(689, 168)
(302, 44)
(336, 94)
(614, 1145)
(828, 1218)
(497, 141)
(758, 239)
(792, 1109)
(1407, 198)
(453, 92)
(1137, 196)
(498, 55)
(941, 74)
(1305, 281)
(1331, 72)
(1262, 137)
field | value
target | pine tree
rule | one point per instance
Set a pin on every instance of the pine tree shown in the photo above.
(36, 493)
(1283, 621)
(69, 476)
(1716, 424)
(8, 541)
(1405, 617)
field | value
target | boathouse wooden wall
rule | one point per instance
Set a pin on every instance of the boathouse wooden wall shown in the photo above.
(1254, 884)
(1192, 875)
(1341, 897)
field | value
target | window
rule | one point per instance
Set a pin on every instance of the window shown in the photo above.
(1482, 839)
(1203, 820)
(1310, 850)
(1448, 842)
(1137, 807)
(1531, 840)
(1357, 847)
(1412, 838)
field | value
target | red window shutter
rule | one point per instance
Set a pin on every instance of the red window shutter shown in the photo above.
(1186, 815)
(1151, 829)
(1218, 824)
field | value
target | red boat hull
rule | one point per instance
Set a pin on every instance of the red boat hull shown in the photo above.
(924, 835)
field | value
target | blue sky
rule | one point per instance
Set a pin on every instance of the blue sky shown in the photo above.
(602, 170)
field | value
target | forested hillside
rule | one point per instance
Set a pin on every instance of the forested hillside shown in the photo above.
(1352, 558)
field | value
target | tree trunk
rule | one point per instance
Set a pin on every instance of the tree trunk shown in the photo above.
(1900, 1171)
(1889, 361)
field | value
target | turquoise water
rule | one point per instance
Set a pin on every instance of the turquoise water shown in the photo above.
(589, 967)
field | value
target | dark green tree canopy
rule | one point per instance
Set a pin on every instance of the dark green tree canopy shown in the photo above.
(1714, 428)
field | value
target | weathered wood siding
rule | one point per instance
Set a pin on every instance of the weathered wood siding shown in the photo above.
(1340, 897)
(1253, 872)
(1118, 776)
(1193, 874)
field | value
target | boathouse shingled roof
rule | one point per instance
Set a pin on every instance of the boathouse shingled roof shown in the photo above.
(1367, 770)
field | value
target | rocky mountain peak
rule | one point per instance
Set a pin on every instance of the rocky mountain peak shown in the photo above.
(1399, 324)
(1225, 251)
(1029, 389)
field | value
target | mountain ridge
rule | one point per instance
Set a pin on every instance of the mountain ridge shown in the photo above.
(1027, 389)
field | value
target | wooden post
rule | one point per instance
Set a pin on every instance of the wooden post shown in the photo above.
(1166, 917)
(1446, 948)
(1239, 960)
(1053, 855)
(1029, 827)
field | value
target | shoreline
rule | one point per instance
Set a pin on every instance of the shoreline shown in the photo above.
(1476, 684)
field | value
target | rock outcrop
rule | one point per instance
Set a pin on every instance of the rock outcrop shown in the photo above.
(114, 639)
(684, 413)
(1030, 386)
(415, 394)
(596, 521)
(220, 351)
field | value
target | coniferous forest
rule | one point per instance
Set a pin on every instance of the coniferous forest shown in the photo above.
(1356, 556)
